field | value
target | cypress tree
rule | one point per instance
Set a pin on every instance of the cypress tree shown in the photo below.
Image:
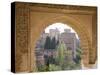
(53, 43)
(47, 43)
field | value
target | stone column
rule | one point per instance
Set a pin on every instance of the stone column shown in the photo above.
(22, 41)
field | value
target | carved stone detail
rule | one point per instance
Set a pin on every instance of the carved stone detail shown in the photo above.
(22, 22)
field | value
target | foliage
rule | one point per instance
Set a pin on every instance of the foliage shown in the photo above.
(63, 59)
(53, 67)
(78, 56)
(53, 43)
(50, 43)
(47, 44)
(61, 53)
(42, 68)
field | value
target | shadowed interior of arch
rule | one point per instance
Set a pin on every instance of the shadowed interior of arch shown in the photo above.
(58, 48)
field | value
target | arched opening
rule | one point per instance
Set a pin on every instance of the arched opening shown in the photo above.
(79, 27)
(58, 48)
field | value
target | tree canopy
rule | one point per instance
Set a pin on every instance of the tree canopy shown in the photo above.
(50, 43)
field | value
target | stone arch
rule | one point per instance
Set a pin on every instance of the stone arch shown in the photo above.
(32, 18)
(78, 27)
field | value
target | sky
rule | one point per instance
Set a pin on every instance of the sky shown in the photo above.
(60, 27)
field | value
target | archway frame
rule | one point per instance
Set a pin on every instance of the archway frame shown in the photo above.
(33, 18)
